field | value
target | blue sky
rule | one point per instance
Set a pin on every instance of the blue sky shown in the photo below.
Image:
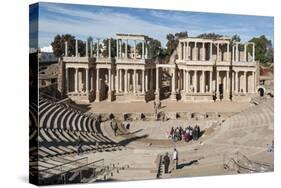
(102, 22)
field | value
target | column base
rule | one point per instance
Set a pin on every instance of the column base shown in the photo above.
(97, 96)
(173, 96)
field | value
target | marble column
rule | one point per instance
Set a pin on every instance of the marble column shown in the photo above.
(245, 52)
(135, 50)
(109, 48)
(218, 51)
(142, 81)
(196, 51)
(87, 48)
(236, 52)
(121, 79)
(203, 82)
(98, 48)
(217, 79)
(184, 50)
(109, 80)
(245, 81)
(157, 80)
(67, 80)
(195, 81)
(211, 82)
(187, 81)
(254, 81)
(151, 78)
(173, 80)
(254, 52)
(227, 52)
(236, 81)
(232, 53)
(117, 81)
(184, 80)
(211, 52)
(91, 48)
(76, 48)
(227, 82)
(146, 79)
(134, 81)
(126, 49)
(76, 80)
(98, 80)
(65, 49)
(187, 51)
(87, 80)
(142, 56)
(232, 83)
(203, 52)
(126, 80)
(117, 48)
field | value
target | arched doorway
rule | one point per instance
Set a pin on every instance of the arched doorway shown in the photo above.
(261, 92)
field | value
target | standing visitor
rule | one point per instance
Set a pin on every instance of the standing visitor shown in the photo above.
(175, 158)
(166, 162)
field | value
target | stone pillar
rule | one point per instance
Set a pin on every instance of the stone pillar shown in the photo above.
(121, 78)
(217, 79)
(218, 51)
(135, 50)
(126, 80)
(236, 52)
(187, 81)
(109, 80)
(203, 82)
(184, 80)
(134, 81)
(91, 48)
(98, 80)
(87, 49)
(211, 82)
(157, 80)
(98, 48)
(227, 52)
(245, 52)
(211, 51)
(245, 81)
(151, 78)
(66, 80)
(146, 79)
(196, 51)
(146, 51)
(180, 51)
(142, 81)
(232, 79)
(254, 81)
(195, 81)
(203, 51)
(232, 53)
(184, 51)
(236, 81)
(117, 48)
(117, 81)
(76, 80)
(254, 52)
(174, 80)
(76, 48)
(142, 56)
(187, 51)
(227, 82)
(109, 48)
(65, 49)
(87, 80)
(126, 49)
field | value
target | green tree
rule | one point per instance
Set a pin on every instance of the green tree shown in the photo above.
(263, 49)
(112, 47)
(173, 41)
(209, 36)
(58, 45)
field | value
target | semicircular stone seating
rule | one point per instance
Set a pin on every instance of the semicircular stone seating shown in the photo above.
(251, 127)
(61, 129)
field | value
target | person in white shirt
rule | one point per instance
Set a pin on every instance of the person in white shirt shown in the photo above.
(175, 158)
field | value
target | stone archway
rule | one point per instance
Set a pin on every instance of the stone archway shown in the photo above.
(261, 91)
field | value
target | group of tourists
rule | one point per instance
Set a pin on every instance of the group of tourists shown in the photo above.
(166, 161)
(187, 134)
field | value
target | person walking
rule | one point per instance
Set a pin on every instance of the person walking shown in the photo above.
(175, 158)
(166, 162)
